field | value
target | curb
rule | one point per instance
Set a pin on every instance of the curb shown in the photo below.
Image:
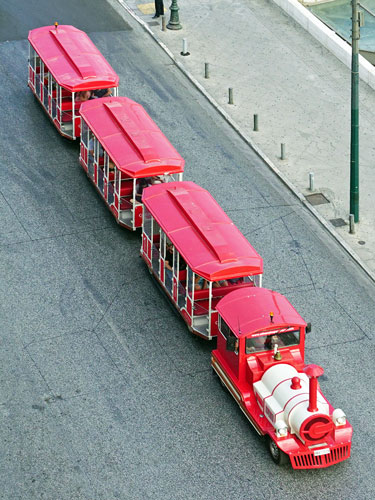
(254, 146)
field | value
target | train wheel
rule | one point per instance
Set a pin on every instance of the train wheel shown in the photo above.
(278, 456)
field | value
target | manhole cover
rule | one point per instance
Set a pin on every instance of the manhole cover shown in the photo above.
(361, 242)
(337, 222)
(153, 23)
(317, 199)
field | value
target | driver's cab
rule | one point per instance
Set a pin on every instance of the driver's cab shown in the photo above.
(257, 329)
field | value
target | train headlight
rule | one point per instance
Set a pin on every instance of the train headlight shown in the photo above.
(281, 429)
(338, 417)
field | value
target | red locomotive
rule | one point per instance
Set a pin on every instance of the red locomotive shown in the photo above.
(260, 360)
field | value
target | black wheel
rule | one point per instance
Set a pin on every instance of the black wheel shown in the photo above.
(277, 455)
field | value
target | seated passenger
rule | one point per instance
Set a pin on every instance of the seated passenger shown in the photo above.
(271, 341)
(200, 283)
(83, 96)
(220, 283)
(90, 147)
(235, 281)
(168, 261)
(144, 182)
(101, 93)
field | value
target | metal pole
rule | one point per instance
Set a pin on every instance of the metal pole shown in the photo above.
(354, 138)
(206, 70)
(230, 96)
(185, 48)
(163, 23)
(351, 224)
(311, 181)
(255, 123)
(282, 156)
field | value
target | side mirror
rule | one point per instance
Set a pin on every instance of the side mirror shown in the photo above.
(308, 328)
(231, 343)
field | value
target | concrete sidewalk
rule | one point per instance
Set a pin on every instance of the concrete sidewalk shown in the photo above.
(300, 92)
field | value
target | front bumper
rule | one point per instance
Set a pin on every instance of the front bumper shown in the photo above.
(313, 459)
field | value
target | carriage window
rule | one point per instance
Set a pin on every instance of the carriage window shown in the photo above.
(267, 342)
(155, 230)
(147, 222)
(190, 280)
(84, 133)
(257, 280)
(224, 328)
(32, 54)
(97, 150)
(176, 263)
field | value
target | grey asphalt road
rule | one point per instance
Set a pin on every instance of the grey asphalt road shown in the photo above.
(104, 394)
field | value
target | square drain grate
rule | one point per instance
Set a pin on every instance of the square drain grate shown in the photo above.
(338, 222)
(317, 199)
(153, 23)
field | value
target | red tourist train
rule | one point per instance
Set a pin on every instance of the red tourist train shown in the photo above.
(204, 264)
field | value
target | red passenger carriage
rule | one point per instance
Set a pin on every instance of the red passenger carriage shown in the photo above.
(122, 151)
(260, 359)
(63, 63)
(195, 252)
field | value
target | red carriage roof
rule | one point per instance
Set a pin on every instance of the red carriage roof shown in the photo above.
(248, 311)
(204, 235)
(133, 141)
(72, 58)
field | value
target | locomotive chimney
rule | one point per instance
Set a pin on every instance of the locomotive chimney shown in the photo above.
(313, 372)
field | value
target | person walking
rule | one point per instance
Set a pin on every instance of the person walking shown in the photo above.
(159, 9)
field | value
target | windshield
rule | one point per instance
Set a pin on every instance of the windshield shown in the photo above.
(266, 342)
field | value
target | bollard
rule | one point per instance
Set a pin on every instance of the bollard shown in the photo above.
(206, 70)
(163, 23)
(311, 181)
(255, 123)
(230, 100)
(351, 224)
(185, 48)
(282, 157)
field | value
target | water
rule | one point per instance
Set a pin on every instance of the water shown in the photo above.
(337, 15)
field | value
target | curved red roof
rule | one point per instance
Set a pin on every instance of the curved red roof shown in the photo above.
(131, 138)
(201, 231)
(72, 58)
(248, 311)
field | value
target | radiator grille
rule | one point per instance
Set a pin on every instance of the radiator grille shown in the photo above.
(309, 461)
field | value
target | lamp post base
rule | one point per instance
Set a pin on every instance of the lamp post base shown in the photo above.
(174, 21)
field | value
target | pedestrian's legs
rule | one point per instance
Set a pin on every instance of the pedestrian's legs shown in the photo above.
(159, 8)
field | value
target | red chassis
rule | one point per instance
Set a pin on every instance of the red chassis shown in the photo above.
(260, 360)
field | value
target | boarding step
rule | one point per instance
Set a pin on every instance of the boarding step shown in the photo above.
(125, 215)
